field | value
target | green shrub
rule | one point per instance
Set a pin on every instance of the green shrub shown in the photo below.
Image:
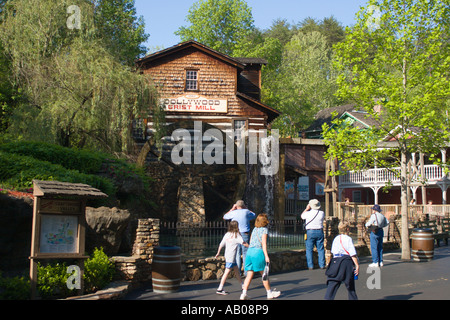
(16, 288)
(84, 161)
(52, 278)
(17, 172)
(52, 281)
(98, 271)
(23, 161)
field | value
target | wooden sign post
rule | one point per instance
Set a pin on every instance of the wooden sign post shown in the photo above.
(59, 224)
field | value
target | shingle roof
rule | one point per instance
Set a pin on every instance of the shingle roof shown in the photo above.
(251, 60)
(324, 116)
(56, 188)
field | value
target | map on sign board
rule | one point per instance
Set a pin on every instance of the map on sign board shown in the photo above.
(59, 234)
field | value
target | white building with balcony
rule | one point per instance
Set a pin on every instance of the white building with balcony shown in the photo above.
(434, 181)
(368, 186)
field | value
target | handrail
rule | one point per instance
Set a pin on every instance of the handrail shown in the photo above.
(355, 211)
(381, 176)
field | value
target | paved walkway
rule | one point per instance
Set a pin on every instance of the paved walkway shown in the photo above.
(398, 280)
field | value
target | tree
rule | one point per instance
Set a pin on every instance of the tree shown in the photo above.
(218, 24)
(305, 82)
(298, 79)
(121, 31)
(396, 57)
(116, 28)
(77, 93)
(9, 94)
(329, 27)
(281, 30)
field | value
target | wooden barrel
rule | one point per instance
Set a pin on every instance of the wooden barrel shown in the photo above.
(166, 269)
(422, 246)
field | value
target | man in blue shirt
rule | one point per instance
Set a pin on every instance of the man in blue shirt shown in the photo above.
(243, 216)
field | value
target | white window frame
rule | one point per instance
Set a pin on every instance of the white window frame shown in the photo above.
(191, 80)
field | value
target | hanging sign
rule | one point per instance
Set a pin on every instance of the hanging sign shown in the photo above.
(194, 103)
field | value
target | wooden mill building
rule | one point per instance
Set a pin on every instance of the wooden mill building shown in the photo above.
(196, 83)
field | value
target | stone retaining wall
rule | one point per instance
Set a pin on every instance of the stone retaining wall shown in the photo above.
(283, 261)
(137, 268)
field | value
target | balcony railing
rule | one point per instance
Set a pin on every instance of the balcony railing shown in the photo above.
(381, 176)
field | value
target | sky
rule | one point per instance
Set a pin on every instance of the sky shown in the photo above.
(163, 18)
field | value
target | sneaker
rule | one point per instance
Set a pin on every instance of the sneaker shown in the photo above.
(222, 292)
(244, 297)
(273, 294)
(381, 264)
(373, 265)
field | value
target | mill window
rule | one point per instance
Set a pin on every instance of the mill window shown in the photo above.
(239, 128)
(191, 80)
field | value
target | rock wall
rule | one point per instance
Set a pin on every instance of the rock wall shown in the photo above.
(105, 228)
(191, 203)
(137, 267)
(16, 218)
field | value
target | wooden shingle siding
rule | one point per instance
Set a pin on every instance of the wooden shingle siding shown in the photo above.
(234, 80)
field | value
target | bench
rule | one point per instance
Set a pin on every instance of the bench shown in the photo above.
(438, 236)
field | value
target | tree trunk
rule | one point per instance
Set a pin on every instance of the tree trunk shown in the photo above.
(63, 138)
(406, 250)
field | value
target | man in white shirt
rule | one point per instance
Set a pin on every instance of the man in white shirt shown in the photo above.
(376, 222)
(314, 217)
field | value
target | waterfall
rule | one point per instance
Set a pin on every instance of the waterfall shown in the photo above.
(262, 160)
(266, 158)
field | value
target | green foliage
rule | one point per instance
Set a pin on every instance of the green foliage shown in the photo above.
(78, 93)
(306, 81)
(15, 288)
(84, 161)
(98, 271)
(17, 172)
(400, 66)
(21, 162)
(52, 278)
(52, 281)
(299, 79)
(120, 29)
(395, 66)
(348, 138)
(219, 24)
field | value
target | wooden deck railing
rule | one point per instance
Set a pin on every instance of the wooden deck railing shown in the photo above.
(358, 210)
